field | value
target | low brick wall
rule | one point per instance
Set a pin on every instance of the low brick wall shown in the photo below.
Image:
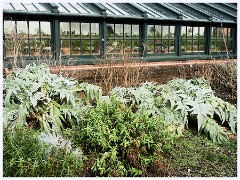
(160, 72)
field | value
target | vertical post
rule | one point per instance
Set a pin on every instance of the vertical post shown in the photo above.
(234, 40)
(55, 32)
(207, 40)
(103, 36)
(143, 39)
(178, 39)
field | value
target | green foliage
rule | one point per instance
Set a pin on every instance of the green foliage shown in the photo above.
(179, 102)
(25, 156)
(35, 96)
(126, 143)
(184, 100)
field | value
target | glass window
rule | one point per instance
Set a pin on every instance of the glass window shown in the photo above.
(95, 30)
(192, 39)
(119, 30)
(221, 39)
(33, 38)
(123, 37)
(163, 39)
(75, 30)
(65, 30)
(83, 38)
(85, 30)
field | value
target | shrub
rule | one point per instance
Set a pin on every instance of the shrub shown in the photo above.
(123, 143)
(34, 97)
(25, 156)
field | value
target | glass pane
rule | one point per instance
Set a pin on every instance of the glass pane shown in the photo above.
(201, 45)
(127, 30)
(195, 46)
(219, 33)
(22, 28)
(220, 46)
(172, 32)
(214, 32)
(151, 31)
(119, 30)
(9, 47)
(195, 32)
(95, 30)
(213, 46)
(183, 34)
(86, 47)
(201, 32)
(158, 46)
(150, 46)
(135, 46)
(95, 47)
(172, 46)
(34, 31)
(189, 46)
(75, 30)
(165, 31)
(229, 45)
(9, 28)
(30, 7)
(75, 45)
(183, 45)
(135, 31)
(46, 44)
(35, 47)
(45, 30)
(65, 30)
(158, 31)
(110, 30)
(85, 30)
(18, 6)
(189, 31)
(229, 32)
(65, 47)
(224, 32)
(165, 46)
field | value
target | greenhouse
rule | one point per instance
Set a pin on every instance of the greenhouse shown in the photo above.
(85, 31)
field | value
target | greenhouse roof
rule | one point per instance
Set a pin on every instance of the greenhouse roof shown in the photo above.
(220, 12)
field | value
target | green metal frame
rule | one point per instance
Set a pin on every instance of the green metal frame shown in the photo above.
(55, 17)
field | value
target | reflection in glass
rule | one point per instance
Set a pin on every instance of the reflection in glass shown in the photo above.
(65, 47)
(165, 31)
(22, 28)
(158, 31)
(127, 30)
(65, 29)
(201, 45)
(95, 46)
(189, 46)
(150, 46)
(135, 46)
(172, 32)
(195, 46)
(75, 47)
(95, 30)
(34, 30)
(151, 31)
(85, 30)
(45, 29)
(172, 46)
(110, 30)
(75, 30)
(201, 32)
(189, 31)
(135, 31)
(119, 30)
(195, 32)
(9, 28)
(85, 46)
